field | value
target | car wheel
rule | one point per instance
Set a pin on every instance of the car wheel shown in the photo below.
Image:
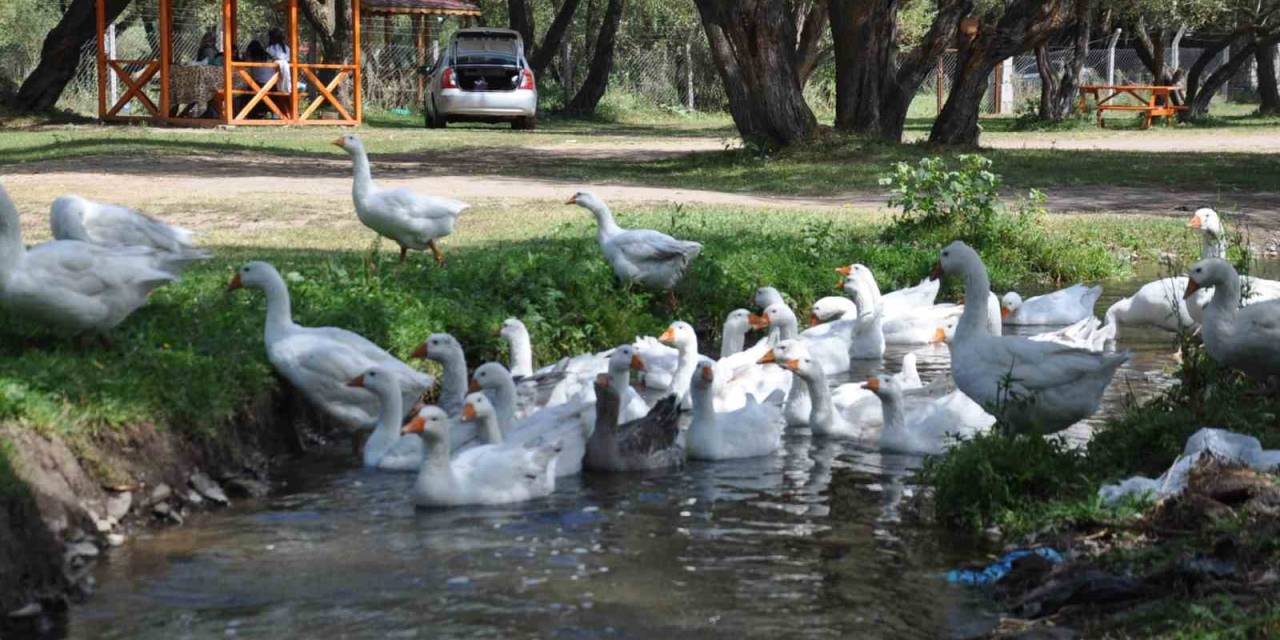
(434, 119)
(526, 123)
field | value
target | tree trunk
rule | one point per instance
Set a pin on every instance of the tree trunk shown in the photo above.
(873, 87)
(1267, 82)
(1058, 93)
(597, 80)
(753, 45)
(811, 24)
(550, 46)
(61, 53)
(520, 15)
(1200, 93)
(1024, 25)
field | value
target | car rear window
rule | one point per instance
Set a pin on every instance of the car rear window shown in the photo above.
(486, 49)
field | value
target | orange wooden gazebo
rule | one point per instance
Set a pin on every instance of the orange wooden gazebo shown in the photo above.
(237, 95)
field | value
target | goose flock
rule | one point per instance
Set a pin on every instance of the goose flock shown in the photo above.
(503, 433)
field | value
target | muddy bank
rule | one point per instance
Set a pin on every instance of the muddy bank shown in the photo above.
(67, 500)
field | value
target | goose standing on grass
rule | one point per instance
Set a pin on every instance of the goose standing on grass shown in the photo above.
(412, 220)
(1064, 306)
(1041, 387)
(933, 423)
(446, 351)
(1246, 338)
(754, 430)
(74, 218)
(319, 361)
(487, 474)
(651, 259)
(651, 441)
(72, 286)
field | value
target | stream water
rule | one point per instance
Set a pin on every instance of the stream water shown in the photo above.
(765, 547)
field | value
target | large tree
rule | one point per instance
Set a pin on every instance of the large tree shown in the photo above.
(61, 53)
(811, 25)
(540, 54)
(753, 45)
(875, 82)
(1021, 25)
(1268, 92)
(1058, 87)
(597, 81)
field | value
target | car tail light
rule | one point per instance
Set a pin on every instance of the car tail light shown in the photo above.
(526, 80)
(447, 81)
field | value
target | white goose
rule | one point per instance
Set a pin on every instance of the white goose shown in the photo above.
(895, 303)
(74, 218)
(1064, 306)
(1213, 239)
(1044, 387)
(319, 361)
(445, 350)
(664, 375)
(1246, 338)
(651, 259)
(386, 448)
(1089, 334)
(488, 474)
(738, 373)
(73, 286)
(903, 330)
(754, 430)
(412, 220)
(568, 424)
(931, 425)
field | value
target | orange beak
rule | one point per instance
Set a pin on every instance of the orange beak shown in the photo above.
(872, 384)
(1192, 287)
(416, 425)
(707, 374)
(844, 271)
(474, 386)
(337, 142)
(793, 365)
(357, 382)
(1195, 222)
(768, 358)
(1004, 312)
(813, 319)
(668, 336)
(939, 335)
(936, 272)
(235, 282)
(636, 362)
(420, 353)
(758, 321)
(468, 412)
(573, 200)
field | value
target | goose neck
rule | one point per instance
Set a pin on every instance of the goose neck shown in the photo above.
(279, 309)
(606, 226)
(436, 469)
(11, 247)
(619, 380)
(977, 291)
(488, 429)
(733, 341)
(521, 354)
(1226, 294)
(1212, 246)
(821, 411)
(363, 182)
(387, 432)
(895, 423)
(453, 380)
(704, 411)
(503, 397)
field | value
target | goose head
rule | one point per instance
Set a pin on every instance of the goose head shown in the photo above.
(350, 143)
(512, 328)
(587, 200)
(956, 258)
(476, 406)
(680, 335)
(737, 322)
(887, 388)
(775, 315)
(378, 380)
(830, 308)
(1209, 273)
(489, 376)
(1010, 303)
(1207, 221)
(791, 355)
(766, 296)
(704, 375)
(438, 347)
(255, 275)
(431, 423)
(625, 359)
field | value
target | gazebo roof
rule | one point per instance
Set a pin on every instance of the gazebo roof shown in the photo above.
(422, 7)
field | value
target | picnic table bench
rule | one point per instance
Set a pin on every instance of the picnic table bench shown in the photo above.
(1154, 101)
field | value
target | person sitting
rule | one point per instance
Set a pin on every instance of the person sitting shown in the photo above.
(279, 51)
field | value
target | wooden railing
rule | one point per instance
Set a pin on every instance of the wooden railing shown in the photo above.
(135, 75)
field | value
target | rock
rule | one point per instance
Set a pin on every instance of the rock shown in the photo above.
(246, 487)
(118, 505)
(115, 539)
(191, 497)
(161, 493)
(82, 550)
(1090, 586)
(208, 488)
(31, 610)
(164, 511)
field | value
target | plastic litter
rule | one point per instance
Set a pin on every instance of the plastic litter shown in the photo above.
(1225, 445)
(993, 572)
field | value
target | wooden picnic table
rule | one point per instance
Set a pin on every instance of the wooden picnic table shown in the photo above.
(1154, 101)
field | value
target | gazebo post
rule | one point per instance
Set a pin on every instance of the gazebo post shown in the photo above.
(102, 59)
(355, 44)
(166, 45)
(293, 60)
(228, 41)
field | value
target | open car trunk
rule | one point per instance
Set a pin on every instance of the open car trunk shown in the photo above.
(487, 77)
(489, 62)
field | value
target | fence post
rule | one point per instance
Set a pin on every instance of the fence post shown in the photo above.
(1226, 86)
(111, 55)
(1111, 56)
(937, 85)
(688, 75)
(566, 68)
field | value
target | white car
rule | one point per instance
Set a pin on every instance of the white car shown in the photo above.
(482, 76)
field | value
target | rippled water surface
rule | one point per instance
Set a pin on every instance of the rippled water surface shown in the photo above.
(766, 547)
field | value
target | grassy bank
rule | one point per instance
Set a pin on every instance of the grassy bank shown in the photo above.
(193, 355)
